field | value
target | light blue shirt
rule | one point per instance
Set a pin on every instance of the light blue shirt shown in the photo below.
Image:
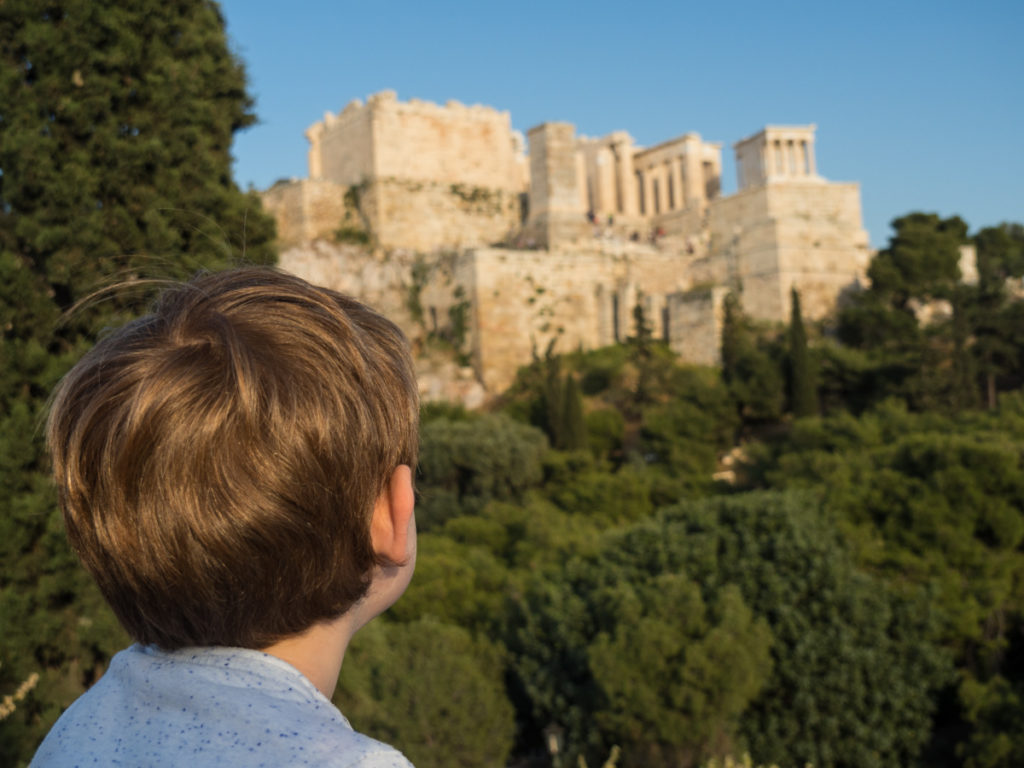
(200, 707)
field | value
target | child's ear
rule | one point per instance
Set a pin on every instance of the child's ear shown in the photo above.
(392, 530)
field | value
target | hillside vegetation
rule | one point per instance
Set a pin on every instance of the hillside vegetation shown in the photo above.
(813, 555)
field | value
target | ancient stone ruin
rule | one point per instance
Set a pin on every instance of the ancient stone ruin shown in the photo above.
(448, 220)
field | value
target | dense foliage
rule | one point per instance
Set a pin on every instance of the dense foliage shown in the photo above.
(814, 554)
(116, 122)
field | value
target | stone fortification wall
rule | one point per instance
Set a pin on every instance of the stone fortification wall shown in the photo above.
(770, 238)
(417, 140)
(425, 176)
(453, 144)
(684, 229)
(557, 208)
(341, 147)
(415, 290)
(823, 248)
(524, 299)
(741, 251)
(418, 292)
(308, 209)
(696, 324)
(428, 216)
(353, 270)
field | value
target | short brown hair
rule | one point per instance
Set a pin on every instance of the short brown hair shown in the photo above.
(218, 459)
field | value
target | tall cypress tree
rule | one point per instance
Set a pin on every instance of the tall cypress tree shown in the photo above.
(803, 388)
(116, 121)
(642, 354)
(733, 333)
(554, 398)
(574, 431)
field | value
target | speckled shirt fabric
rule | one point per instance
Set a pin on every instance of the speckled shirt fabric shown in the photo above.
(202, 707)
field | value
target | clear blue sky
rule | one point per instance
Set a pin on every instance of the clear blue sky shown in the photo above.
(921, 102)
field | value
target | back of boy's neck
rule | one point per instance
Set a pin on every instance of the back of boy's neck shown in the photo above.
(317, 653)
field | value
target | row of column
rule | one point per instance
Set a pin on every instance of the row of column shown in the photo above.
(602, 181)
(672, 185)
(614, 180)
(609, 187)
(791, 157)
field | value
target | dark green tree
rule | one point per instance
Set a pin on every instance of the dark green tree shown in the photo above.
(855, 665)
(605, 431)
(643, 355)
(730, 622)
(597, 494)
(574, 430)
(934, 501)
(465, 463)
(1000, 254)
(733, 330)
(432, 690)
(803, 385)
(677, 672)
(642, 331)
(460, 579)
(553, 398)
(922, 260)
(115, 134)
(639, 658)
(921, 263)
(996, 332)
(964, 375)
(906, 319)
(684, 435)
(752, 375)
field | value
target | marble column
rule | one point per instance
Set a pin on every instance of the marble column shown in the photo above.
(677, 174)
(605, 182)
(693, 171)
(626, 179)
(650, 208)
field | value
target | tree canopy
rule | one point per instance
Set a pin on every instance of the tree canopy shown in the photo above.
(116, 123)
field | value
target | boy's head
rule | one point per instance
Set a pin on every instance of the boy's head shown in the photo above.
(218, 460)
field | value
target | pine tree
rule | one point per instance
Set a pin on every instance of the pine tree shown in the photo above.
(802, 380)
(116, 121)
(1000, 253)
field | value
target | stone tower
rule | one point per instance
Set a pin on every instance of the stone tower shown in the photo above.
(556, 213)
(787, 227)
